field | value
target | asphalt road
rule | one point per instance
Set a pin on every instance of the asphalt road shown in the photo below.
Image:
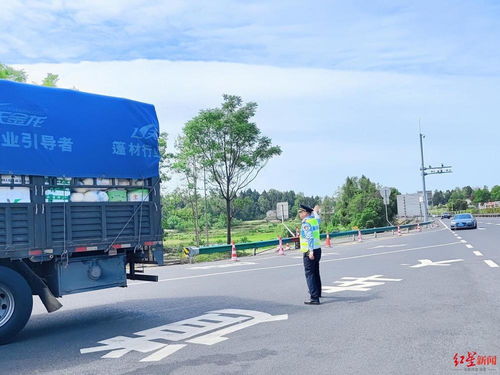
(389, 307)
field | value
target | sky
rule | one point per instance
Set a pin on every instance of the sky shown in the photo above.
(341, 86)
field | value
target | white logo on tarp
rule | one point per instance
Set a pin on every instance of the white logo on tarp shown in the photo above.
(146, 132)
(207, 329)
(358, 284)
(20, 118)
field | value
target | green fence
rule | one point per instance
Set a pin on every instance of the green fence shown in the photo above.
(192, 251)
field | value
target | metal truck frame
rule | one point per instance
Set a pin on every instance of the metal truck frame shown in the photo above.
(55, 249)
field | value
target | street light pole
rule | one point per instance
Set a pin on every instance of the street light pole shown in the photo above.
(429, 170)
(423, 176)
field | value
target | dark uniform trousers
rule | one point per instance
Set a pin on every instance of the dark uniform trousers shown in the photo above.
(313, 279)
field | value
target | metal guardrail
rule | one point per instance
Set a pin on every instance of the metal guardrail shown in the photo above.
(192, 251)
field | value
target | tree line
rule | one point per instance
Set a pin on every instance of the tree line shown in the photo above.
(459, 198)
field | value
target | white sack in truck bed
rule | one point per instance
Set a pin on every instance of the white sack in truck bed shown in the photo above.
(15, 195)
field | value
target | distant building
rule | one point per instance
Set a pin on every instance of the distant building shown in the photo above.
(489, 205)
(412, 205)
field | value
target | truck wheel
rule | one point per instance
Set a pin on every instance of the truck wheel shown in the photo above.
(16, 303)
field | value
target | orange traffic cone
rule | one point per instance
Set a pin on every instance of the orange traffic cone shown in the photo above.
(280, 246)
(360, 237)
(328, 242)
(234, 256)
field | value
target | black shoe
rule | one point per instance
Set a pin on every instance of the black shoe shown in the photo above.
(312, 302)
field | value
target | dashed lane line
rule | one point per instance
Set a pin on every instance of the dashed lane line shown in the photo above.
(491, 263)
(478, 253)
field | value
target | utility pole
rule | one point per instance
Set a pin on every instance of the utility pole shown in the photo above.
(426, 212)
(429, 170)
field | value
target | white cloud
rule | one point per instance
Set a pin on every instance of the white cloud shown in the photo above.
(453, 37)
(350, 122)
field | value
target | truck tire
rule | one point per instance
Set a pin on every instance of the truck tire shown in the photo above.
(16, 303)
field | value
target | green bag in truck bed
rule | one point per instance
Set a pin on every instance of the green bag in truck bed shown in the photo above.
(117, 195)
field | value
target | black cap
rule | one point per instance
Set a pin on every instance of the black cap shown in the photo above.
(306, 208)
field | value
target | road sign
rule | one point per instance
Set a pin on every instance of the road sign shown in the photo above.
(385, 193)
(282, 210)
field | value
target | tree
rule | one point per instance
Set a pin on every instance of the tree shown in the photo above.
(7, 72)
(467, 191)
(438, 198)
(495, 193)
(447, 195)
(233, 149)
(50, 80)
(392, 207)
(187, 163)
(481, 195)
(165, 156)
(359, 203)
(19, 75)
(457, 204)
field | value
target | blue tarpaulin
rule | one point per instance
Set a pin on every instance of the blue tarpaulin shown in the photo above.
(58, 132)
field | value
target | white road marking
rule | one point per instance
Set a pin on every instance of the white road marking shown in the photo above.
(322, 255)
(382, 246)
(459, 237)
(469, 246)
(491, 263)
(358, 284)
(199, 330)
(221, 266)
(296, 264)
(481, 228)
(478, 253)
(428, 262)
(463, 241)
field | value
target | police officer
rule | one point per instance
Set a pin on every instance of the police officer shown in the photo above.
(310, 246)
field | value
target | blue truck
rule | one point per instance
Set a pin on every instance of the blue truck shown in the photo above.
(80, 203)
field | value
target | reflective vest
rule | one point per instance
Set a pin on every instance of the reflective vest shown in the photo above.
(309, 226)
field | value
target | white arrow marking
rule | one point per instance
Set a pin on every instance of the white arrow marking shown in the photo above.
(428, 262)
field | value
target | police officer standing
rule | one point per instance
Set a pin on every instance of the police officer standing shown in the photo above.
(310, 246)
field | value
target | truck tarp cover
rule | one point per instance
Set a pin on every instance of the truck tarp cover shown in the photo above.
(57, 132)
